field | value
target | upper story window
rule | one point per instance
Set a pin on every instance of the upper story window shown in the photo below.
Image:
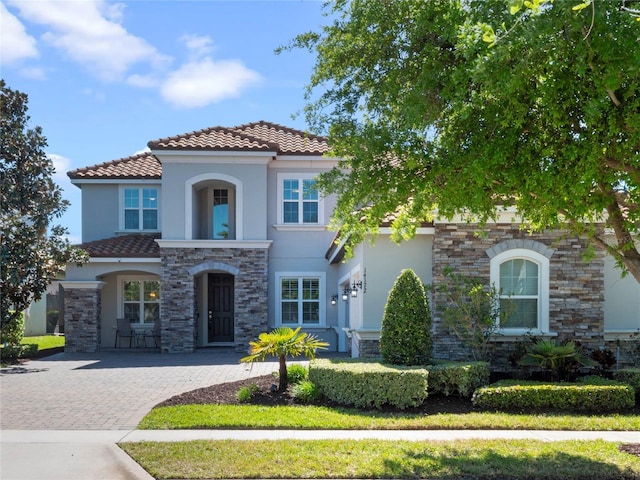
(140, 208)
(299, 200)
(299, 299)
(215, 211)
(522, 278)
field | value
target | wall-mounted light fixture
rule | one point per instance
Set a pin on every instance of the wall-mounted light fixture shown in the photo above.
(355, 287)
(334, 299)
(345, 294)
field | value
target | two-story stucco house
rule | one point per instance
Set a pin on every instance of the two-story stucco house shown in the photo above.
(219, 235)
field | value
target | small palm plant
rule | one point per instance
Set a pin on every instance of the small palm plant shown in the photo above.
(283, 342)
(559, 360)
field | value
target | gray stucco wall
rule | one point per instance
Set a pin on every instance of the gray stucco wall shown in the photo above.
(383, 262)
(253, 178)
(99, 211)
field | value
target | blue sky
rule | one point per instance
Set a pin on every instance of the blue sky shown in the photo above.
(104, 77)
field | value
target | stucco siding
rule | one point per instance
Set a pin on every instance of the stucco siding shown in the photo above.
(383, 262)
(100, 212)
(178, 176)
(621, 300)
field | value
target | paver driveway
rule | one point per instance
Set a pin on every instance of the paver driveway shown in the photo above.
(109, 390)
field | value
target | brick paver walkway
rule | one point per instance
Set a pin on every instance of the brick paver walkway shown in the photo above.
(109, 390)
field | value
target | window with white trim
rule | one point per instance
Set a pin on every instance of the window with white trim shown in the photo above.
(140, 300)
(299, 299)
(140, 210)
(522, 279)
(299, 200)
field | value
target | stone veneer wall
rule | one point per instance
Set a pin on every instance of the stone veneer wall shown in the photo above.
(82, 329)
(178, 305)
(369, 348)
(576, 287)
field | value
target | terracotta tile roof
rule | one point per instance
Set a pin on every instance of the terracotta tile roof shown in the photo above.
(137, 167)
(258, 136)
(140, 245)
(251, 137)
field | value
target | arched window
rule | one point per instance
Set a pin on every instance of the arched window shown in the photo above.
(522, 279)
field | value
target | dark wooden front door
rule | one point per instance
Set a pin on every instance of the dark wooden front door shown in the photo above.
(220, 311)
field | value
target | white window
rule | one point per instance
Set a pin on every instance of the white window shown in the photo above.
(299, 200)
(140, 300)
(299, 299)
(140, 208)
(522, 279)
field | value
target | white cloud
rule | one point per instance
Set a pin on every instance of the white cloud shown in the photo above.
(140, 152)
(198, 45)
(35, 73)
(196, 84)
(143, 81)
(15, 43)
(89, 33)
(62, 165)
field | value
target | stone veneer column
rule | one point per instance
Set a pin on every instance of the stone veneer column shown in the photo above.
(178, 294)
(82, 309)
(576, 287)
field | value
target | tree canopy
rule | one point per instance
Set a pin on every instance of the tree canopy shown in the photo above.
(467, 107)
(32, 251)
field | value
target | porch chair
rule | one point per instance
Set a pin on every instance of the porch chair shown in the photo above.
(124, 330)
(154, 334)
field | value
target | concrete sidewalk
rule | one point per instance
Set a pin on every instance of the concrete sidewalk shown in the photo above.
(93, 454)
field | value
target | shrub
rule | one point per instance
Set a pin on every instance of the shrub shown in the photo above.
(11, 333)
(405, 336)
(561, 361)
(472, 311)
(297, 373)
(605, 360)
(511, 394)
(630, 376)
(305, 391)
(244, 394)
(458, 378)
(370, 384)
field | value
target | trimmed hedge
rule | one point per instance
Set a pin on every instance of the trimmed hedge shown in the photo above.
(630, 376)
(458, 378)
(369, 384)
(514, 394)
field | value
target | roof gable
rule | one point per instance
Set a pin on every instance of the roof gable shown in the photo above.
(251, 137)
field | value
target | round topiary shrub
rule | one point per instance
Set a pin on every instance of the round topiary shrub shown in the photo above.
(405, 338)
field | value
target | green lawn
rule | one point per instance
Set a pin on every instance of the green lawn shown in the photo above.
(311, 417)
(45, 342)
(468, 459)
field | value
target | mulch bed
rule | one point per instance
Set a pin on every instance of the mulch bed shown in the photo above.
(225, 393)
